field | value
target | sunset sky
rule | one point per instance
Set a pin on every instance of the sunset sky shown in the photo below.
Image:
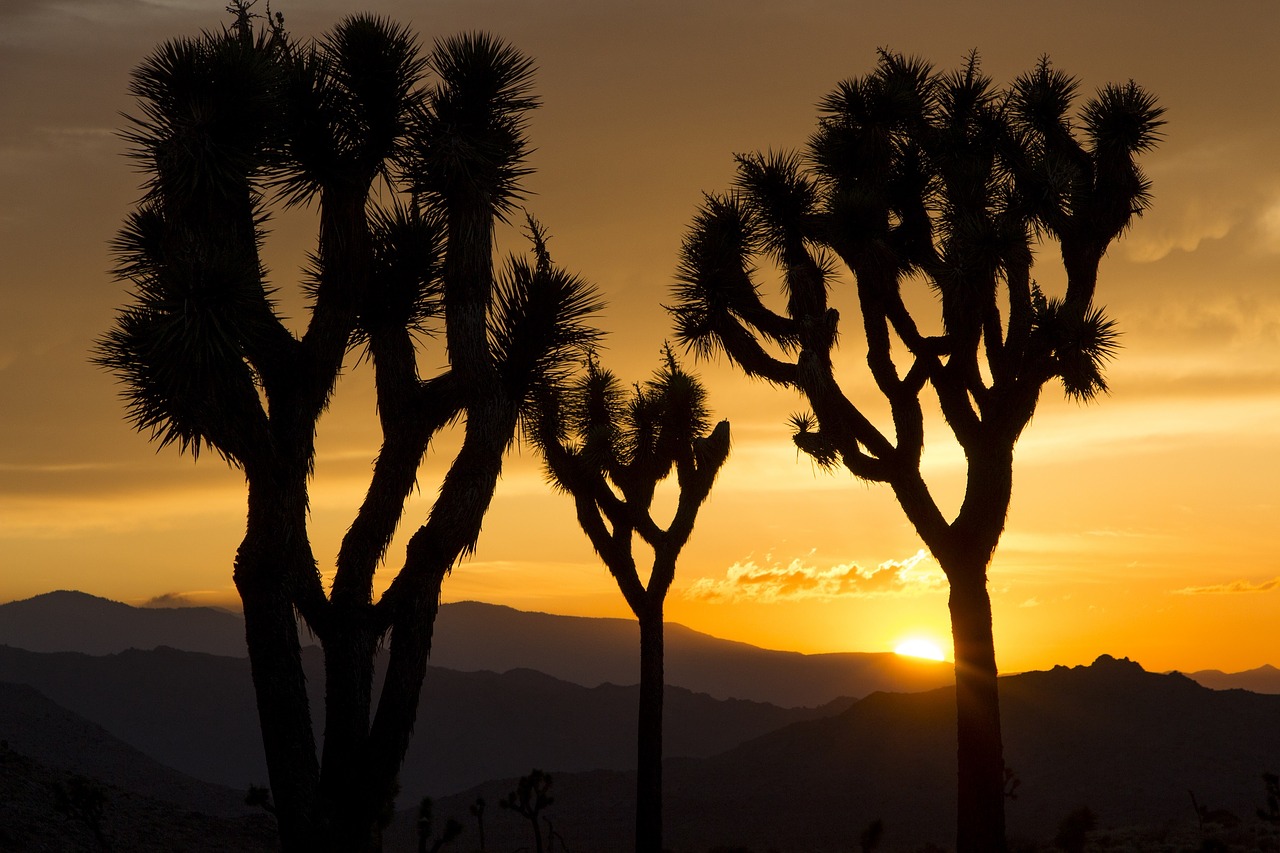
(1145, 525)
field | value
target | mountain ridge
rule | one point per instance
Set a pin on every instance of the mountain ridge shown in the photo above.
(474, 637)
(477, 636)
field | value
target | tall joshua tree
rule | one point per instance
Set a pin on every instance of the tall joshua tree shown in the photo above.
(942, 183)
(230, 123)
(610, 449)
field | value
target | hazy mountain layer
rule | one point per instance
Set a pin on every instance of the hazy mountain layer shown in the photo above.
(196, 713)
(1264, 679)
(471, 636)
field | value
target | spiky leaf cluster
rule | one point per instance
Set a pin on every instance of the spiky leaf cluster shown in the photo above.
(633, 437)
(404, 290)
(469, 139)
(350, 97)
(539, 327)
(209, 119)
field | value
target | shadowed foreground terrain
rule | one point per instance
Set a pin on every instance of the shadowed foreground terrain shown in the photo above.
(68, 785)
(1128, 744)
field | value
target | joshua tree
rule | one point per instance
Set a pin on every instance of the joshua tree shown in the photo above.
(610, 449)
(1271, 814)
(477, 811)
(85, 800)
(1073, 830)
(922, 183)
(426, 829)
(531, 796)
(231, 123)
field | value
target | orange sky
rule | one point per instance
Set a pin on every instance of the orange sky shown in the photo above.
(1146, 525)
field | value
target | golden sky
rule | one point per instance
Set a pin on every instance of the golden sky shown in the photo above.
(1146, 524)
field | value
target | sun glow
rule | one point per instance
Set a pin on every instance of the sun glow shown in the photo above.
(919, 647)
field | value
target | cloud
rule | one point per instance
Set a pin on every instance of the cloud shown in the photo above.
(1183, 233)
(1232, 587)
(1269, 226)
(795, 581)
(170, 599)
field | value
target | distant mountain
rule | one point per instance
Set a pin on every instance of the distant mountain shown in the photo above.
(68, 621)
(1127, 743)
(471, 636)
(474, 636)
(48, 752)
(39, 728)
(191, 711)
(1264, 679)
(196, 713)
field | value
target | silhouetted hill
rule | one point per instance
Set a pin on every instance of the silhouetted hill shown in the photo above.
(47, 752)
(476, 726)
(68, 621)
(1264, 679)
(1127, 743)
(471, 636)
(39, 728)
(474, 636)
(196, 713)
(191, 711)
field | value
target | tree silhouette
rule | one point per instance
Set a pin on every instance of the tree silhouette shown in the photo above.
(477, 811)
(531, 795)
(408, 181)
(1073, 830)
(921, 183)
(426, 829)
(610, 449)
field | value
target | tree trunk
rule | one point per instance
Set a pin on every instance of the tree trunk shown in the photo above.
(262, 574)
(347, 800)
(649, 734)
(980, 752)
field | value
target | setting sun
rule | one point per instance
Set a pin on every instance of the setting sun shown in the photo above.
(918, 647)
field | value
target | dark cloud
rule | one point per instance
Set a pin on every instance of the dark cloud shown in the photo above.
(171, 599)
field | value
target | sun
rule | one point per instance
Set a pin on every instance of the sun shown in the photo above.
(919, 647)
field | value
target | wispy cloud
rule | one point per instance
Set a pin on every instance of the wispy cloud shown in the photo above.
(1230, 587)
(1196, 224)
(774, 581)
(177, 599)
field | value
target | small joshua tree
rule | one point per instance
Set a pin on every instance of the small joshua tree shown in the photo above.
(1074, 830)
(85, 800)
(531, 796)
(609, 449)
(426, 828)
(477, 811)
